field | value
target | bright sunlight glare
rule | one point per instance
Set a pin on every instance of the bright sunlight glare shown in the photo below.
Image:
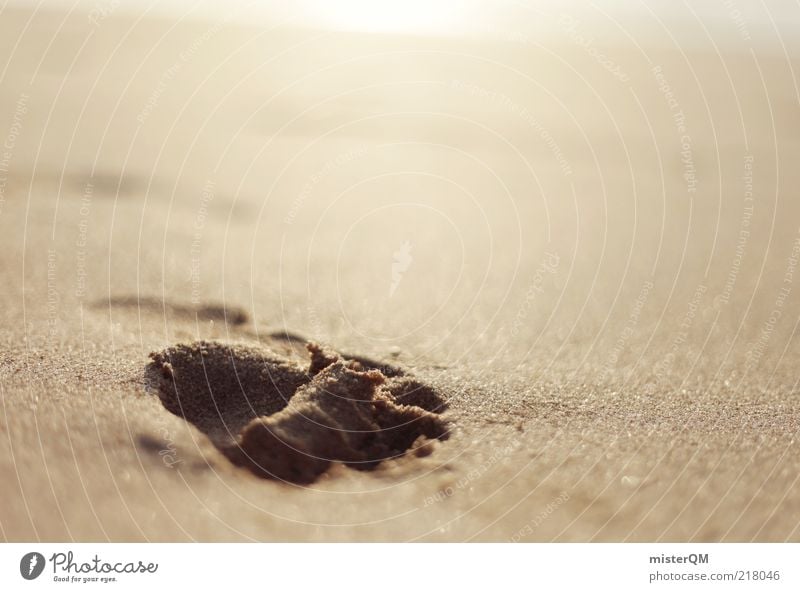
(392, 16)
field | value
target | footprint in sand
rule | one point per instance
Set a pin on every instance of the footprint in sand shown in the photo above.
(287, 420)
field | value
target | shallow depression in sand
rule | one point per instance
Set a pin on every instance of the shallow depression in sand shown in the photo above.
(287, 420)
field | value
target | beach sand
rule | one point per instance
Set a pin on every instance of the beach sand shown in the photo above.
(591, 261)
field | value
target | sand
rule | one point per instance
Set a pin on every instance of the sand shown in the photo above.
(595, 270)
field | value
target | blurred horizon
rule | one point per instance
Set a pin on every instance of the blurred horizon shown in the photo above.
(622, 155)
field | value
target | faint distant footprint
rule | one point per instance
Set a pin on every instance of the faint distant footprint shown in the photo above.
(231, 315)
(285, 420)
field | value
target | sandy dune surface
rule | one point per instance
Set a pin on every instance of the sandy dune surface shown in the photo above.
(588, 251)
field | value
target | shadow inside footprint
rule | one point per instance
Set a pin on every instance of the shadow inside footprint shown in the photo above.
(221, 388)
(282, 420)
